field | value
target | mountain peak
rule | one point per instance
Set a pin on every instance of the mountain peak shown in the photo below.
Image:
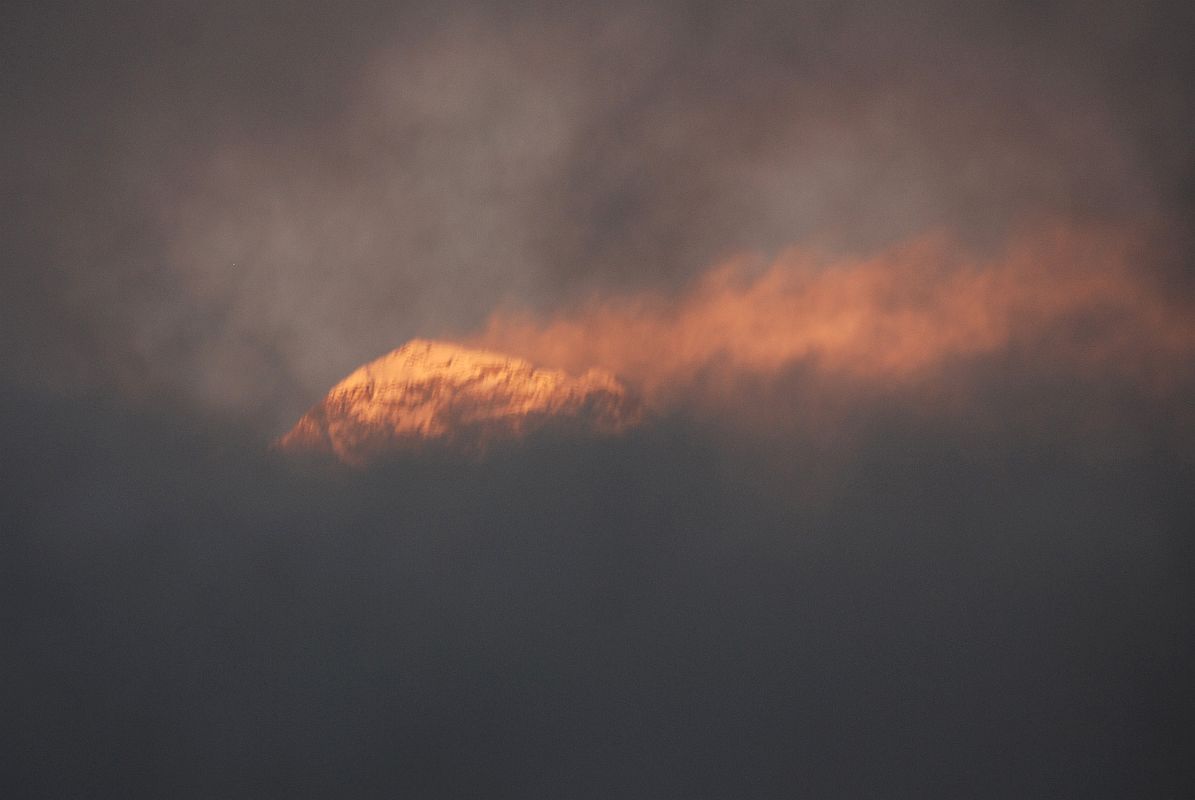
(441, 394)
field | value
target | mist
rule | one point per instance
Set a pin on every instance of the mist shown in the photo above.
(233, 208)
(950, 612)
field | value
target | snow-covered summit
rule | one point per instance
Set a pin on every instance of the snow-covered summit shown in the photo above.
(439, 393)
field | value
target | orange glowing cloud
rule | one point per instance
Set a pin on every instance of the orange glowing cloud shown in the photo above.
(1077, 296)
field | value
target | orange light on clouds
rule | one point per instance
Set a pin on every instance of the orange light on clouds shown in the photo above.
(1077, 296)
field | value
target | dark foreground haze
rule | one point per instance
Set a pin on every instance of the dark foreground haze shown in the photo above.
(952, 613)
(908, 291)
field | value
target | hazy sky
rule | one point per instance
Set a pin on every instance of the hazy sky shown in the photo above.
(910, 289)
(236, 205)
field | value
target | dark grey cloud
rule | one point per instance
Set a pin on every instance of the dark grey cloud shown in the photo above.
(953, 611)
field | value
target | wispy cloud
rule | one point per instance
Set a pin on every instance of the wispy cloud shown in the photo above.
(1078, 298)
